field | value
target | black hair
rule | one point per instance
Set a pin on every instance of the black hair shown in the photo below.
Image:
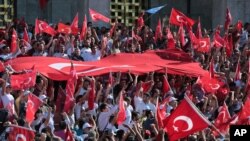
(62, 125)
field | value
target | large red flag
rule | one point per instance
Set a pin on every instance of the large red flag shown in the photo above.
(210, 84)
(146, 86)
(62, 28)
(43, 27)
(70, 89)
(170, 38)
(244, 113)
(198, 31)
(237, 72)
(74, 25)
(228, 19)
(181, 33)
(91, 98)
(158, 31)
(69, 135)
(23, 81)
(178, 18)
(13, 46)
(33, 104)
(84, 28)
(204, 45)
(221, 122)
(95, 16)
(121, 115)
(211, 68)
(26, 36)
(18, 133)
(185, 120)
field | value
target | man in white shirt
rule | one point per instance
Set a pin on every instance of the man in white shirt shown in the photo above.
(141, 103)
(94, 55)
(61, 53)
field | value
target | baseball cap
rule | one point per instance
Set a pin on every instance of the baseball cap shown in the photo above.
(42, 97)
(26, 92)
(86, 125)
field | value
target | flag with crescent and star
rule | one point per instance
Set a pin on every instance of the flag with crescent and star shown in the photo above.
(185, 120)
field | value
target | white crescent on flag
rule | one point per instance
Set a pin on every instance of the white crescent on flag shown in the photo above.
(184, 119)
(20, 137)
(203, 43)
(179, 18)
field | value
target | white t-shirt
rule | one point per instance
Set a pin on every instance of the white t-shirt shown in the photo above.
(8, 103)
(88, 56)
(93, 111)
(104, 118)
(61, 55)
(140, 105)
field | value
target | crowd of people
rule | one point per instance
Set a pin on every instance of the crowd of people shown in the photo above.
(100, 123)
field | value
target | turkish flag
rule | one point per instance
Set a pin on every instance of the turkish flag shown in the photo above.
(146, 86)
(23, 81)
(221, 122)
(13, 46)
(204, 45)
(237, 72)
(95, 16)
(91, 98)
(43, 27)
(84, 28)
(166, 87)
(244, 113)
(193, 39)
(121, 115)
(170, 38)
(185, 120)
(74, 25)
(33, 104)
(218, 40)
(228, 19)
(18, 133)
(26, 36)
(158, 31)
(239, 25)
(160, 113)
(198, 31)
(60, 99)
(70, 90)
(211, 68)
(178, 18)
(62, 28)
(210, 84)
(228, 39)
(181, 33)
(69, 135)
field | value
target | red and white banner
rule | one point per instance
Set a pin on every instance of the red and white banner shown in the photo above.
(33, 104)
(18, 133)
(23, 81)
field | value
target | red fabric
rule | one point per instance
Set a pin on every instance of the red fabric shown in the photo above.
(221, 122)
(166, 86)
(198, 31)
(121, 115)
(2, 67)
(33, 104)
(62, 28)
(239, 25)
(229, 45)
(69, 135)
(193, 39)
(18, 133)
(178, 18)
(204, 45)
(74, 25)
(211, 68)
(210, 85)
(43, 3)
(158, 31)
(146, 86)
(91, 98)
(185, 120)
(70, 89)
(60, 99)
(244, 113)
(218, 40)
(26, 35)
(237, 72)
(95, 16)
(111, 79)
(23, 81)
(160, 113)
(228, 19)
(170, 38)
(43, 27)
(112, 29)
(13, 46)
(181, 33)
(84, 28)
(140, 21)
